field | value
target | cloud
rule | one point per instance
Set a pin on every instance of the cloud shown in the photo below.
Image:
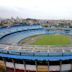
(47, 9)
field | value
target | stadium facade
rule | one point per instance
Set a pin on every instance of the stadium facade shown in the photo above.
(32, 58)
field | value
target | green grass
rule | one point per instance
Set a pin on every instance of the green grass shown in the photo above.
(54, 39)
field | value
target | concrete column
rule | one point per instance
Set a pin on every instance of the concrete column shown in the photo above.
(5, 64)
(48, 66)
(60, 65)
(24, 66)
(14, 65)
(71, 65)
(36, 66)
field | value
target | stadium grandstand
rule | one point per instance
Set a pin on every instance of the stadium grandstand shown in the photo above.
(33, 58)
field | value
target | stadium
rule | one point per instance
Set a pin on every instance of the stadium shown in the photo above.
(35, 55)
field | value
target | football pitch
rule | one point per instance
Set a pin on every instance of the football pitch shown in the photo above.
(54, 39)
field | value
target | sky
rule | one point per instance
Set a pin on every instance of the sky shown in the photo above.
(39, 9)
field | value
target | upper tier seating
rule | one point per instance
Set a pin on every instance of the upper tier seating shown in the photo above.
(16, 37)
(9, 30)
